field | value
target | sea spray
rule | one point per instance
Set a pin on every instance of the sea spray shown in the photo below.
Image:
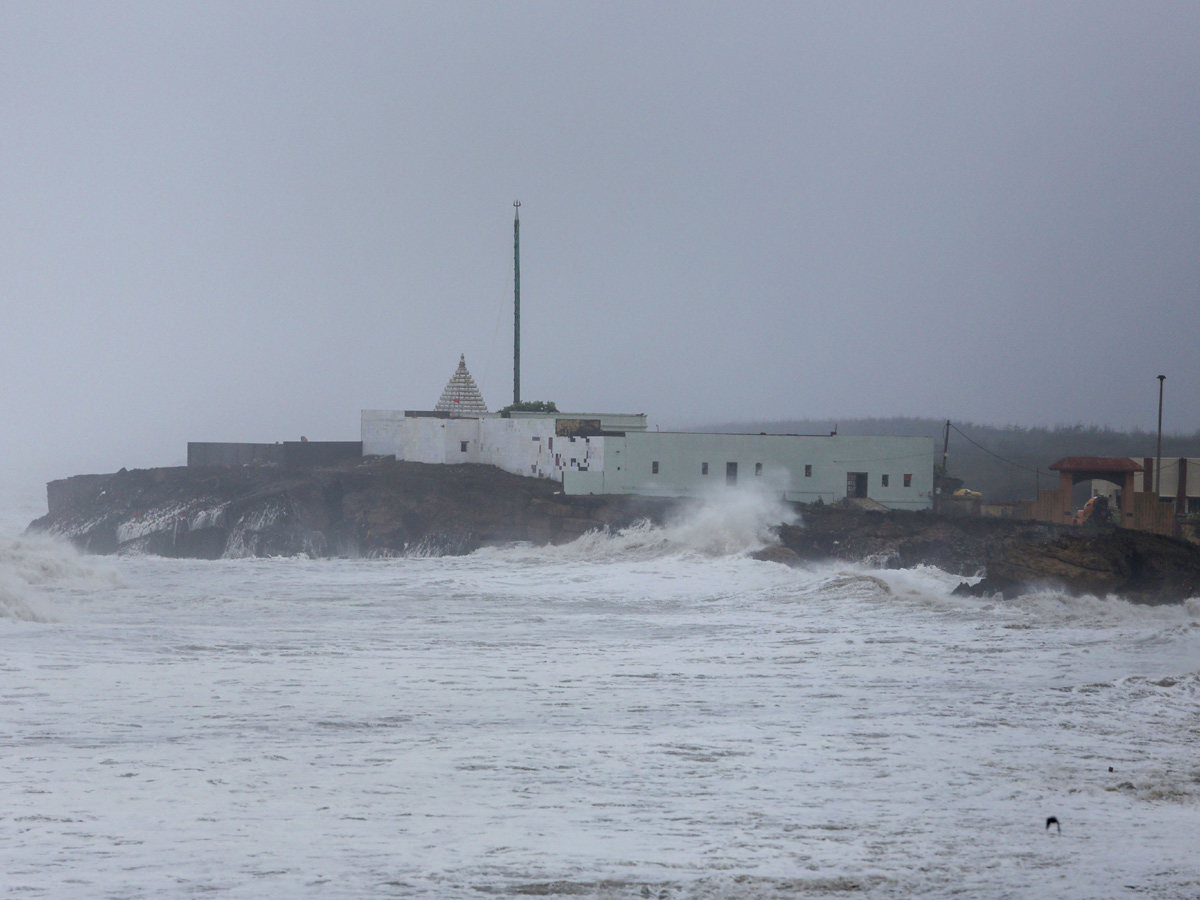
(523, 720)
(722, 522)
(34, 561)
(726, 522)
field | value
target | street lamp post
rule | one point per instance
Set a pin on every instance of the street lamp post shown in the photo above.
(1158, 449)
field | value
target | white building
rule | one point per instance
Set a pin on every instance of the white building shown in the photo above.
(461, 430)
(803, 468)
(604, 453)
(1179, 477)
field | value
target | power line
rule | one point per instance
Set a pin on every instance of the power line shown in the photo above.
(965, 437)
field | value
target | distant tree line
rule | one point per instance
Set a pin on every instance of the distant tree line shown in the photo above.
(1004, 462)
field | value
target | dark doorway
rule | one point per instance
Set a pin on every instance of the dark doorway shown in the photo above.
(856, 484)
(730, 473)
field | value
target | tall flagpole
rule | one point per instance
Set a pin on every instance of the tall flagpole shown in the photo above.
(516, 301)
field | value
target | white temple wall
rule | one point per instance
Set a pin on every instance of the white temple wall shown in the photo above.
(800, 468)
(895, 471)
(524, 446)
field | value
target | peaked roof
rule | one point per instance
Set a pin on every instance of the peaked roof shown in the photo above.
(461, 397)
(1096, 464)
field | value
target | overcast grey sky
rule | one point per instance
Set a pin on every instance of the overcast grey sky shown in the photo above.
(248, 221)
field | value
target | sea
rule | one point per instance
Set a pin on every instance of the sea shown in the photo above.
(649, 713)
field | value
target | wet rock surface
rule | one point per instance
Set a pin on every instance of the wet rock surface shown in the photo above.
(1013, 556)
(371, 507)
(383, 507)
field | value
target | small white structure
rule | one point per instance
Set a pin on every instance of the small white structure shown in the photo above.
(606, 453)
(1178, 478)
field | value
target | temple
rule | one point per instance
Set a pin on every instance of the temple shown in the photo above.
(615, 453)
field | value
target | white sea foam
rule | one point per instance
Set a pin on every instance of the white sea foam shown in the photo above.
(34, 562)
(718, 524)
(644, 713)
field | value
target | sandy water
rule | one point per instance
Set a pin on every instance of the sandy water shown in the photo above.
(643, 714)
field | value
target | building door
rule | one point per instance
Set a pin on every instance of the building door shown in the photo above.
(856, 484)
(730, 473)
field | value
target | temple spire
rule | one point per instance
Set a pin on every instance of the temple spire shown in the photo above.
(461, 397)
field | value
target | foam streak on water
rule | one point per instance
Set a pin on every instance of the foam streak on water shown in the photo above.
(633, 715)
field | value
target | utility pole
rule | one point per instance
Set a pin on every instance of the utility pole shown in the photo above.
(939, 481)
(516, 301)
(945, 446)
(1158, 449)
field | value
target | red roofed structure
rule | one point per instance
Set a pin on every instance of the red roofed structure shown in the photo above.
(1089, 464)
(1138, 509)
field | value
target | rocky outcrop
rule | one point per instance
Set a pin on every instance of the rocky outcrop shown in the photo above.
(384, 507)
(372, 507)
(1013, 556)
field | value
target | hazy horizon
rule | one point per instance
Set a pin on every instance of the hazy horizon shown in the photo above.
(231, 221)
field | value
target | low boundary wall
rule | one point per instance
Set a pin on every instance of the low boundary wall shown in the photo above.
(289, 454)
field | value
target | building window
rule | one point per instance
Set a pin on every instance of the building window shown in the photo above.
(808, 471)
(703, 468)
(731, 473)
(462, 446)
(572, 460)
(885, 481)
(536, 438)
(908, 481)
(758, 468)
(654, 467)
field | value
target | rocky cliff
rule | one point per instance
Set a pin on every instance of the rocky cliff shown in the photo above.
(383, 507)
(375, 506)
(1014, 556)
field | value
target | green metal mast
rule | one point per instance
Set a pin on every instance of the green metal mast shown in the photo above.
(516, 301)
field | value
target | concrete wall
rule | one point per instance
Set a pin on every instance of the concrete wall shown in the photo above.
(303, 454)
(1179, 478)
(523, 445)
(608, 421)
(218, 453)
(289, 454)
(1168, 479)
(800, 468)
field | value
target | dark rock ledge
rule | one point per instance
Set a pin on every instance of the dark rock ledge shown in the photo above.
(373, 507)
(384, 507)
(1014, 556)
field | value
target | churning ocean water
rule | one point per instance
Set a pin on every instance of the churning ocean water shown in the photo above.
(643, 714)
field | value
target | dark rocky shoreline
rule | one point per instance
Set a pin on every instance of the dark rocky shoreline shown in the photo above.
(384, 507)
(1013, 556)
(373, 507)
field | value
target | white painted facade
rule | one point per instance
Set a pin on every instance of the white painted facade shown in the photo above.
(1174, 469)
(894, 471)
(627, 459)
(524, 444)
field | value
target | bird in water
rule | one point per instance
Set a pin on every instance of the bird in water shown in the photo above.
(1053, 820)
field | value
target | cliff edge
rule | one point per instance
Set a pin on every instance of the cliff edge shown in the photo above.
(1013, 556)
(385, 507)
(372, 507)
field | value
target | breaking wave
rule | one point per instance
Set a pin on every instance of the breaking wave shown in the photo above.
(37, 560)
(719, 524)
